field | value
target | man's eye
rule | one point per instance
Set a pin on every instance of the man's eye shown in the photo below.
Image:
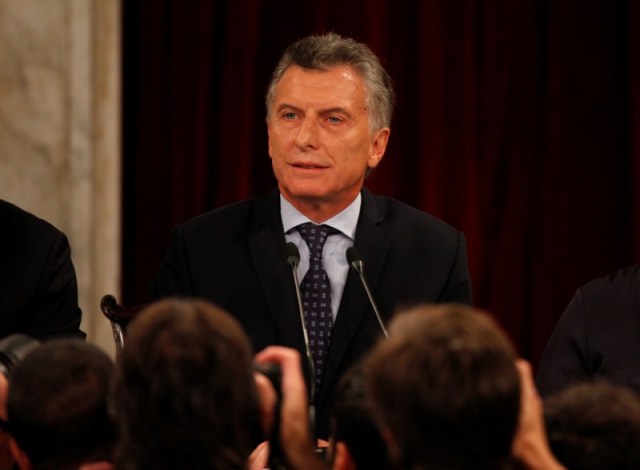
(289, 116)
(334, 120)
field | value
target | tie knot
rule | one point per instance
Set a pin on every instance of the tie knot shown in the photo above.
(315, 236)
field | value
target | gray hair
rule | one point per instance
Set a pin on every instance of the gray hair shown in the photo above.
(330, 50)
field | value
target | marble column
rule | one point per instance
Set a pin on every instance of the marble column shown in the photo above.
(60, 133)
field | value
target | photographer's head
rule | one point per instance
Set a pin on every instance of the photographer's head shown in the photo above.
(57, 405)
(445, 387)
(184, 391)
(594, 425)
(356, 441)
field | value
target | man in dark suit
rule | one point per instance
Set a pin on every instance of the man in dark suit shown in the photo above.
(329, 108)
(38, 288)
(597, 336)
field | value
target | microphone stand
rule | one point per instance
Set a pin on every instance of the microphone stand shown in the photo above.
(293, 258)
(355, 260)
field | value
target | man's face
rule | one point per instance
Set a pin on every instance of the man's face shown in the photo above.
(320, 140)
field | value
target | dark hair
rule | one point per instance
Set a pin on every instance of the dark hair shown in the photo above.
(57, 405)
(184, 393)
(323, 52)
(352, 421)
(446, 386)
(594, 425)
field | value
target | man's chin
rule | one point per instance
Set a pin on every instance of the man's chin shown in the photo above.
(305, 192)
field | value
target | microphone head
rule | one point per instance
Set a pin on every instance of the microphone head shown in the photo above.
(353, 255)
(292, 254)
(354, 259)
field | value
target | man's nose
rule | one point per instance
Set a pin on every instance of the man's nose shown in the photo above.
(307, 133)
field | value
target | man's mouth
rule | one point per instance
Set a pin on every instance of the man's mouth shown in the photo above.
(307, 166)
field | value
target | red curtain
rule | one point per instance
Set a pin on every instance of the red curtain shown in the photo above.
(518, 122)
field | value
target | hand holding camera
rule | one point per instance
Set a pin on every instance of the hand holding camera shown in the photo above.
(294, 436)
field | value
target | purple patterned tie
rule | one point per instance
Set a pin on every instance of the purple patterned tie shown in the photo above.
(316, 294)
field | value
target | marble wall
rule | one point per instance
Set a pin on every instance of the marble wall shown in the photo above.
(60, 133)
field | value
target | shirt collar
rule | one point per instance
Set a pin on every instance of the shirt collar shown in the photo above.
(345, 221)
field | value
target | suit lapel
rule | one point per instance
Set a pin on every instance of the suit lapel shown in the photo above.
(372, 242)
(266, 245)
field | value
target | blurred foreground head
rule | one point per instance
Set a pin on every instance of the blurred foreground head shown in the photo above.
(184, 393)
(594, 425)
(57, 406)
(445, 389)
(356, 441)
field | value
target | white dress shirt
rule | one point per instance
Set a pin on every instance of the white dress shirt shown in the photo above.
(334, 255)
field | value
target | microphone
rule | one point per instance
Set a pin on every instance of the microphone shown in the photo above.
(292, 255)
(355, 261)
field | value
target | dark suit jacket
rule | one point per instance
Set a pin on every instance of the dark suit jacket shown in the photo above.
(38, 289)
(235, 257)
(597, 336)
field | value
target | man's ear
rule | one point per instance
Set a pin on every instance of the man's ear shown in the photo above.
(19, 456)
(342, 459)
(378, 146)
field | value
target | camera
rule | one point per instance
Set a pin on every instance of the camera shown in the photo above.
(13, 349)
(277, 460)
(272, 372)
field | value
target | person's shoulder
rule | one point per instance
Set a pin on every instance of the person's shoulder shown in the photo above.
(236, 215)
(403, 214)
(20, 223)
(618, 288)
(621, 279)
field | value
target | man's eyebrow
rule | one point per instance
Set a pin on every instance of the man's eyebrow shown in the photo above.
(335, 109)
(288, 106)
